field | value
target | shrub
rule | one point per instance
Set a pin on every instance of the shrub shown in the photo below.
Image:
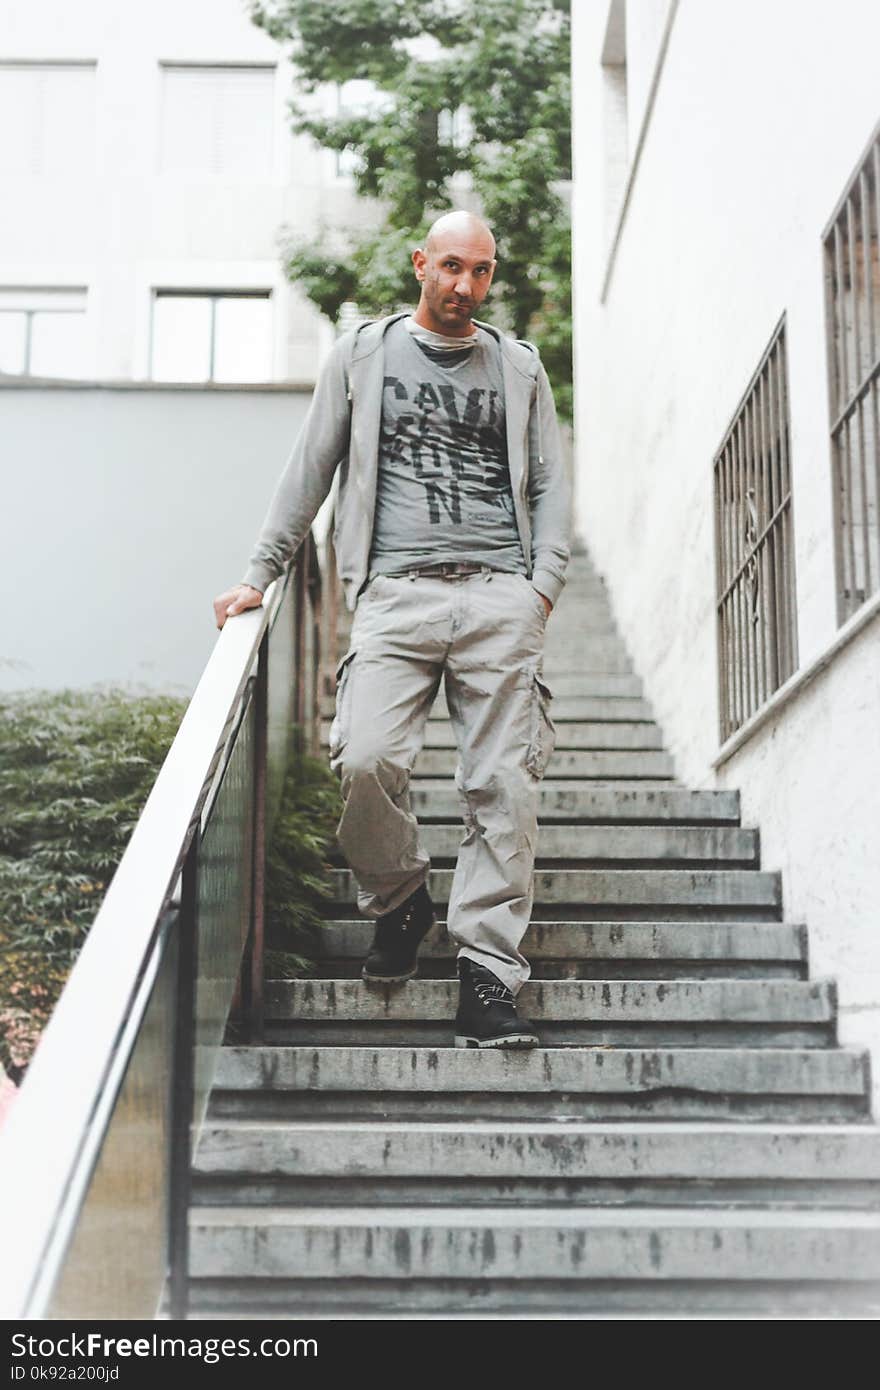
(297, 865)
(76, 767)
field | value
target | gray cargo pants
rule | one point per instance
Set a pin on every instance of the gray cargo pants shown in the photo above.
(485, 633)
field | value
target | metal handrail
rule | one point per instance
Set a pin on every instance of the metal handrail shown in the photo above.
(148, 923)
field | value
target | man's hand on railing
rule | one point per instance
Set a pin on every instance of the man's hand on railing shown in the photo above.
(234, 601)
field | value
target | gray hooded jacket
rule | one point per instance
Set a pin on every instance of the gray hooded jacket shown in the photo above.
(341, 431)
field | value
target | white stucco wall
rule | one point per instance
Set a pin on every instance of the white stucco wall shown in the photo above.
(762, 112)
(124, 512)
(124, 225)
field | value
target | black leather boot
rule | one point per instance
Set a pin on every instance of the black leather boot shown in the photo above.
(397, 938)
(487, 1011)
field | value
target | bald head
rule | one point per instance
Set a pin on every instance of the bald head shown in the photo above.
(454, 268)
(453, 226)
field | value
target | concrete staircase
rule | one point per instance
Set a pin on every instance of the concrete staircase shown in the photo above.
(690, 1138)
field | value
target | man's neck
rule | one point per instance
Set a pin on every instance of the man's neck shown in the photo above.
(425, 319)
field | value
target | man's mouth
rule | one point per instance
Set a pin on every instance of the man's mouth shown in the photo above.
(459, 304)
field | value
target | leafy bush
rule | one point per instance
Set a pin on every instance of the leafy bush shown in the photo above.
(297, 866)
(76, 767)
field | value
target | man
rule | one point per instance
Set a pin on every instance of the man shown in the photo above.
(451, 532)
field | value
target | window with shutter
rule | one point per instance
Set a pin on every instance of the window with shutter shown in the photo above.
(217, 121)
(47, 118)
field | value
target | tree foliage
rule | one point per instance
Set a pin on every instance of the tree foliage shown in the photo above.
(507, 63)
(298, 883)
(76, 767)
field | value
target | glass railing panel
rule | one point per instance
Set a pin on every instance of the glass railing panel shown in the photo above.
(281, 697)
(115, 1265)
(224, 904)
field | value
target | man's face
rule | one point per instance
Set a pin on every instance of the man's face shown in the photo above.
(455, 276)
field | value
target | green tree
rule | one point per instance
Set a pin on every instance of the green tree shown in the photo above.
(76, 767)
(503, 62)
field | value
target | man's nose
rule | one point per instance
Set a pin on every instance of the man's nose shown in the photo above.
(463, 286)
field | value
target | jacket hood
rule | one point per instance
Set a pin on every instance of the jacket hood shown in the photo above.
(368, 337)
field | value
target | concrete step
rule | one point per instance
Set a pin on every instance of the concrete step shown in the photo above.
(583, 735)
(581, 1245)
(620, 1013)
(649, 845)
(604, 950)
(525, 1300)
(586, 801)
(612, 709)
(580, 684)
(477, 1162)
(581, 1083)
(609, 765)
(584, 619)
(572, 645)
(608, 657)
(628, 890)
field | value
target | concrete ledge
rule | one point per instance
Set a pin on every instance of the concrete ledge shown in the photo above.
(531, 1151)
(832, 1072)
(595, 942)
(456, 1243)
(589, 1001)
(624, 887)
(798, 683)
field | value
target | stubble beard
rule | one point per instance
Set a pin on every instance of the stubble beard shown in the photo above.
(448, 317)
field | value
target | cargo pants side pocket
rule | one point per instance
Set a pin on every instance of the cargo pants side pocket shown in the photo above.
(542, 737)
(339, 729)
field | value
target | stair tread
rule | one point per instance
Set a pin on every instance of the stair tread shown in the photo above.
(644, 1129)
(575, 1070)
(571, 1218)
(602, 1001)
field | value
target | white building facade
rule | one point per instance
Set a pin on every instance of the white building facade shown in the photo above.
(727, 331)
(155, 363)
(148, 171)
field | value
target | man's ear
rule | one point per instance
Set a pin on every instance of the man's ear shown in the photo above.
(419, 260)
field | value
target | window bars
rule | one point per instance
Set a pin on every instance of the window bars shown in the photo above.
(754, 548)
(852, 317)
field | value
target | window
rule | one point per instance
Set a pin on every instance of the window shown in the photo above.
(217, 121)
(43, 332)
(615, 122)
(47, 118)
(455, 127)
(357, 97)
(216, 335)
(754, 548)
(852, 295)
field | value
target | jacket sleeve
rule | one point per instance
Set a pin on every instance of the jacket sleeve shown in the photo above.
(549, 494)
(308, 474)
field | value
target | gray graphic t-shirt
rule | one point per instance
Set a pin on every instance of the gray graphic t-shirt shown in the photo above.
(443, 487)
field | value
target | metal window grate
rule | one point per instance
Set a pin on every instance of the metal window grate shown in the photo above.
(757, 617)
(852, 292)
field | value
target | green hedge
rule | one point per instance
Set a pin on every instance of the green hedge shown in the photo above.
(76, 767)
(297, 866)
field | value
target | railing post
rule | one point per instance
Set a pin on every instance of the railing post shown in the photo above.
(331, 608)
(299, 649)
(255, 956)
(316, 596)
(182, 1083)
